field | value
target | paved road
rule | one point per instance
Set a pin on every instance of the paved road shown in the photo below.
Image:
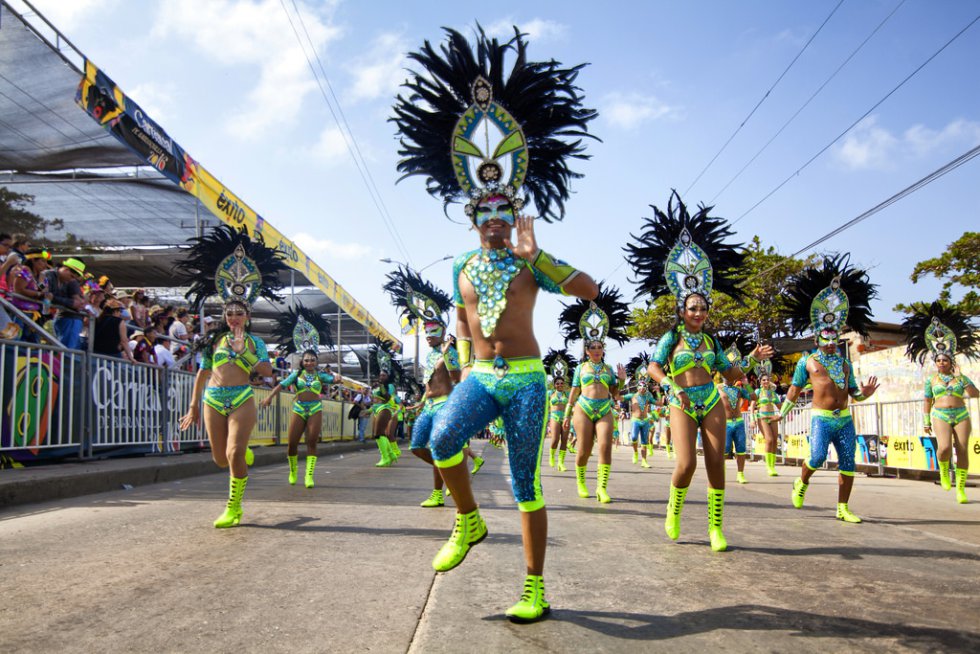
(344, 567)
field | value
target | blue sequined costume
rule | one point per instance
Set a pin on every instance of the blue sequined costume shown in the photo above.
(828, 426)
(423, 423)
(735, 428)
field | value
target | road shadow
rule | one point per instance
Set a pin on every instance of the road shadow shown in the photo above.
(859, 553)
(799, 624)
(311, 524)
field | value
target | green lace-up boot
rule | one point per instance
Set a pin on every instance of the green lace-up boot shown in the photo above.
(435, 499)
(561, 460)
(469, 530)
(532, 606)
(771, 464)
(716, 512)
(602, 483)
(799, 492)
(233, 511)
(944, 475)
(961, 474)
(583, 490)
(293, 468)
(249, 456)
(384, 448)
(310, 467)
(478, 462)
(672, 525)
(551, 457)
(844, 513)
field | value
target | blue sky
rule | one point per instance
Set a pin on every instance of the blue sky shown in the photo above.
(671, 80)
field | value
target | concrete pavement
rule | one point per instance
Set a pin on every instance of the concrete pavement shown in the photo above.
(345, 567)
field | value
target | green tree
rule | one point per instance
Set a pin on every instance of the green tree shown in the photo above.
(16, 219)
(959, 265)
(766, 272)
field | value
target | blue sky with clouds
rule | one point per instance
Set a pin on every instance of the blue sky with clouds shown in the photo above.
(671, 80)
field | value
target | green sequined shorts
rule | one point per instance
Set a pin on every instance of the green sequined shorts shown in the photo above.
(703, 400)
(951, 415)
(594, 410)
(307, 410)
(225, 399)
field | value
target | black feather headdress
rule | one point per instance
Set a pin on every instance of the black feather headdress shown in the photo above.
(564, 369)
(474, 128)
(381, 357)
(827, 298)
(416, 298)
(581, 320)
(681, 254)
(241, 280)
(284, 331)
(937, 329)
(636, 367)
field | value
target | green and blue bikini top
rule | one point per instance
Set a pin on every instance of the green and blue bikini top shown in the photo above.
(491, 272)
(255, 352)
(381, 395)
(558, 398)
(767, 396)
(943, 385)
(306, 381)
(587, 373)
(691, 355)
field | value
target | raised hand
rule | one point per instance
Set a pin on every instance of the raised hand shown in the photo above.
(621, 372)
(238, 339)
(869, 389)
(526, 246)
(762, 352)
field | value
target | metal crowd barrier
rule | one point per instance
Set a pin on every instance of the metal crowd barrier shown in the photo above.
(59, 403)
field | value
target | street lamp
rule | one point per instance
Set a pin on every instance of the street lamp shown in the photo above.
(415, 364)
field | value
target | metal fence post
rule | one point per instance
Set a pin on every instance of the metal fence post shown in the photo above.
(878, 430)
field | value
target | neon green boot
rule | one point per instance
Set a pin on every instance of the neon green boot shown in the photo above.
(636, 456)
(532, 606)
(469, 530)
(249, 456)
(672, 525)
(602, 482)
(233, 511)
(740, 477)
(310, 467)
(799, 492)
(477, 464)
(551, 457)
(771, 464)
(385, 449)
(716, 511)
(961, 474)
(435, 499)
(394, 451)
(583, 490)
(293, 468)
(944, 475)
(844, 513)
(561, 460)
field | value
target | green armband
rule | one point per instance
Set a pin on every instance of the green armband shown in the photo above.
(451, 359)
(554, 269)
(464, 349)
(786, 408)
(926, 420)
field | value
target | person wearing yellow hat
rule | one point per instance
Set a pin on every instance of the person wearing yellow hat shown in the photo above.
(64, 284)
(25, 284)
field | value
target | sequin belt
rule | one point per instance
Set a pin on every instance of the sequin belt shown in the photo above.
(501, 366)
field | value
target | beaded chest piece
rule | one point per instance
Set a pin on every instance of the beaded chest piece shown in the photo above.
(834, 363)
(432, 359)
(491, 272)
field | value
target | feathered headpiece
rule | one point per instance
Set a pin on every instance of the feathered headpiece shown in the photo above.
(416, 298)
(940, 331)
(605, 317)
(559, 363)
(826, 299)
(381, 358)
(682, 254)
(301, 330)
(636, 368)
(474, 129)
(226, 262)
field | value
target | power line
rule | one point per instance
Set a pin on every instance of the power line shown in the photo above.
(809, 100)
(349, 141)
(763, 99)
(862, 117)
(908, 190)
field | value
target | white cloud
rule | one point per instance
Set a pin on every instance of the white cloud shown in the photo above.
(872, 147)
(66, 16)
(253, 33)
(320, 248)
(537, 29)
(628, 110)
(381, 71)
(157, 100)
(330, 147)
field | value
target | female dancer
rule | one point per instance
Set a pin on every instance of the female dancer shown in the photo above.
(558, 363)
(306, 328)
(944, 332)
(227, 262)
(595, 385)
(766, 406)
(670, 250)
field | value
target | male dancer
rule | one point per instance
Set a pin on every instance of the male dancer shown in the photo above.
(507, 379)
(734, 424)
(643, 412)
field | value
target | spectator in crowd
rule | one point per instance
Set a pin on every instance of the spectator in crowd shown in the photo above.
(64, 283)
(178, 330)
(139, 307)
(110, 333)
(165, 358)
(17, 247)
(26, 283)
(8, 329)
(142, 346)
